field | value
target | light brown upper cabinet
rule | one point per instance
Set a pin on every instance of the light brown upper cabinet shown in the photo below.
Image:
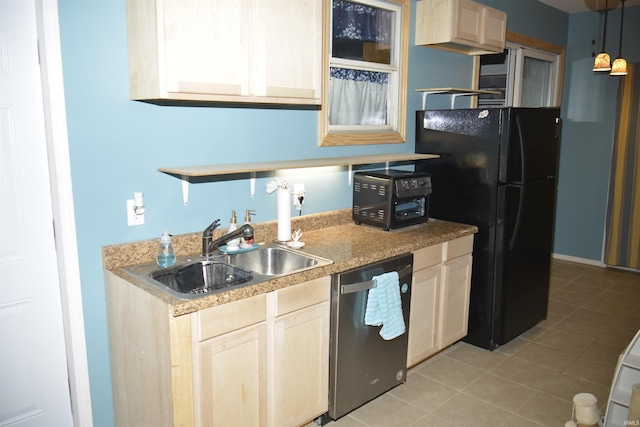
(460, 26)
(250, 51)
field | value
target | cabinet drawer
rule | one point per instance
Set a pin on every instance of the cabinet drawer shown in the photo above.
(459, 247)
(426, 257)
(303, 295)
(224, 318)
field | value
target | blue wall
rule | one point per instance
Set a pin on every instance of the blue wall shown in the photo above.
(116, 146)
(589, 113)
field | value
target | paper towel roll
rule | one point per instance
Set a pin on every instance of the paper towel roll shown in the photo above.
(284, 214)
(634, 406)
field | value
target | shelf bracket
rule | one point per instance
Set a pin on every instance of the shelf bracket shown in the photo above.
(252, 183)
(185, 190)
(453, 93)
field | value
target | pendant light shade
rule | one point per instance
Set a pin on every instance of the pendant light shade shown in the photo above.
(619, 67)
(603, 60)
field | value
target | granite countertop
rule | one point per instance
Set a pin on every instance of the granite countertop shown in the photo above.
(331, 235)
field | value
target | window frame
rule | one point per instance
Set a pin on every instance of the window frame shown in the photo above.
(361, 135)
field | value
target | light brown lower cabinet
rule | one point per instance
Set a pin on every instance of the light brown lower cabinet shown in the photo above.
(439, 297)
(259, 361)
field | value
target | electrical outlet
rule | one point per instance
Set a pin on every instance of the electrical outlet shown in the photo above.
(298, 191)
(132, 218)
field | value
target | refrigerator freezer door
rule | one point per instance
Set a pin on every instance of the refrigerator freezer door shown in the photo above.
(524, 261)
(532, 149)
(465, 177)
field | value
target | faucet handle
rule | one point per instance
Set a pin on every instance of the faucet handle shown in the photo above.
(209, 230)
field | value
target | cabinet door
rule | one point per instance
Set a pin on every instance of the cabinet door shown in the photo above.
(301, 365)
(206, 46)
(454, 300)
(230, 379)
(287, 53)
(494, 27)
(468, 22)
(423, 317)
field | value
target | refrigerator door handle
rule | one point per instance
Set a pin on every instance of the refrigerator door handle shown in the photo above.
(523, 177)
(516, 228)
(523, 159)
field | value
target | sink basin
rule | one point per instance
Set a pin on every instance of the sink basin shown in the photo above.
(201, 277)
(193, 277)
(272, 261)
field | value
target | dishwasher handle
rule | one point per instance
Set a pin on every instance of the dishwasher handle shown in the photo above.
(364, 286)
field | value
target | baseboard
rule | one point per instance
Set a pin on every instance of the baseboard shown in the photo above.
(579, 260)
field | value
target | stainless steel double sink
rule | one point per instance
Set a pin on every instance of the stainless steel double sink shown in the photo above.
(193, 277)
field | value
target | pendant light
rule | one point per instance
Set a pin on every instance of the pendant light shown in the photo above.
(619, 67)
(603, 60)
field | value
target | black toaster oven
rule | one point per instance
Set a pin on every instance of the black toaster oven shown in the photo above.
(391, 198)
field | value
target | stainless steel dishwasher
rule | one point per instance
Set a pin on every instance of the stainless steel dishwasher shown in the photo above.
(362, 364)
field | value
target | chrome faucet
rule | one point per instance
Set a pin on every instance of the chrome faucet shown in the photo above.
(209, 245)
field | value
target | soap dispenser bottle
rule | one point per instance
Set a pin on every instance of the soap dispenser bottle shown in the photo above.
(247, 235)
(233, 244)
(166, 256)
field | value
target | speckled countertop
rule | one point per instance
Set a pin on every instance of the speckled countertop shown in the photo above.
(331, 235)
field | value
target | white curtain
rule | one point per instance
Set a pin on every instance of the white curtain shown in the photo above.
(358, 97)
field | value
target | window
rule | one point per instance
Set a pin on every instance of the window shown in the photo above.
(364, 90)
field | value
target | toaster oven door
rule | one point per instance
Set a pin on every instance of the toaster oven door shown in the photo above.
(409, 210)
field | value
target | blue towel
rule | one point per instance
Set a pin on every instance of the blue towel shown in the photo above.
(384, 306)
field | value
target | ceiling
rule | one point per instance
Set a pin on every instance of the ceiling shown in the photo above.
(576, 6)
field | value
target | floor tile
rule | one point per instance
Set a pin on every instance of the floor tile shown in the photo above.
(422, 392)
(387, 411)
(591, 370)
(525, 372)
(564, 341)
(561, 308)
(616, 303)
(585, 329)
(462, 408)
(512, 346)
(582, 288)
(451, 372)
(431, 421)
(518, 421)
(346, 421)
(500, 392)
(476, 356)
(546, 410)
(591, 316)
(569, 297)
(566, 386)
(546, 356)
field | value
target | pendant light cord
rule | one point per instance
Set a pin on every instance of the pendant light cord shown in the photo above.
(595, 30)
(604, 36)
(621, 26)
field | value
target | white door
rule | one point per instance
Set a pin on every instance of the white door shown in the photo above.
(34, 388)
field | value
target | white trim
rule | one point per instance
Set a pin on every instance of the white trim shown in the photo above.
(578, 260)
(63, 213)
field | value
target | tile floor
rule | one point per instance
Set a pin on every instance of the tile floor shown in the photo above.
(593, 315)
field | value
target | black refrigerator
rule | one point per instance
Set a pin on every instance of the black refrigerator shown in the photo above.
(497, 170)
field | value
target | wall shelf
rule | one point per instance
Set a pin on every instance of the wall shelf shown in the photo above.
(453, 92)
(196, 173)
